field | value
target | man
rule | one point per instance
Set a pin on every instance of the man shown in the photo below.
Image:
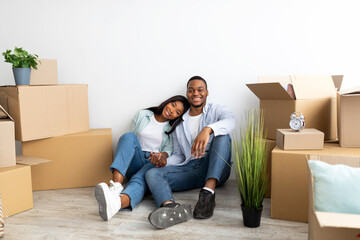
(201, 159)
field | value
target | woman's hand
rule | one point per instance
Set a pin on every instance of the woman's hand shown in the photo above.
(158, 159)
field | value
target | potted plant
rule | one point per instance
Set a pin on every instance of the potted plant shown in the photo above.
(249, 156)
(21, 62)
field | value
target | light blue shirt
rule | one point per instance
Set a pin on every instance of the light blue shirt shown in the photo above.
(219, 118)
(141, 120)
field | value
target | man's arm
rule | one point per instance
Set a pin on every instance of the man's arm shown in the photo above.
(224, 125)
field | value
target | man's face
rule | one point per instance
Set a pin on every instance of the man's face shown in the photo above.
(197, 93)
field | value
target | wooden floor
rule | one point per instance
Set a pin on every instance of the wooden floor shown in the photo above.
(73, 214)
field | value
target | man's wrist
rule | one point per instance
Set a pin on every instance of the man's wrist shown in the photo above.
(209, 130)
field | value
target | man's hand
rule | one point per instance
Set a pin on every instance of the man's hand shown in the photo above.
(158, 159)
(199, 144)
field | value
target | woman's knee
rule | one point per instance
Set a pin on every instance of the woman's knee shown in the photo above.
(128, 136)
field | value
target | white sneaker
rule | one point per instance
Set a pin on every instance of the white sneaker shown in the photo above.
(116, 187)
(109, 202)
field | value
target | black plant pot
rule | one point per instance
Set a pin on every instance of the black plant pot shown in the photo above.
(251, 217)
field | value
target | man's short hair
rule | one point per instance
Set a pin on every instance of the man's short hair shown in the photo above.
(196, 78)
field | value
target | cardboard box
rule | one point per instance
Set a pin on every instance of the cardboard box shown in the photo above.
(77, 160)
(329, 225)
(315, 99)
(289, 180)
(45, 74)
(47, 111)
(271, 144)
(7, 140)
(15, 189)
(348, 117)
(308, 138)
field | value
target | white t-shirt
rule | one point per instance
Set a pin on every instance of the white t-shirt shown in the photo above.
(151, 136)
(194, 125)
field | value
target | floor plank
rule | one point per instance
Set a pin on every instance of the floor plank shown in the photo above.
(73, 214)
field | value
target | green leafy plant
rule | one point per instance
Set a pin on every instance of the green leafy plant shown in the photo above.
(21, 58)
(249, 156)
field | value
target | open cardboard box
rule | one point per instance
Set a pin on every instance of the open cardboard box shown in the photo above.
(16, 187)
(7, 140)
(348, 119)
(329, 225)
(289, 180)
(315, 99)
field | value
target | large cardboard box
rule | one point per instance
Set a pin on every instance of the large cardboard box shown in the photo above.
(270, 144)
(349, 117)
(315, 99)
(7, 140)
(308, 138)
(45, 74)
(15, 189)
(329, 225)
(47, 111)
(77, 160)
(289, 180)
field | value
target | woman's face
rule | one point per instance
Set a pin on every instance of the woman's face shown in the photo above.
(173, 110)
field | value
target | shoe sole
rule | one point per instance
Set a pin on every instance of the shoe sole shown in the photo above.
(166, 217)
(101, 200)
(205, 216)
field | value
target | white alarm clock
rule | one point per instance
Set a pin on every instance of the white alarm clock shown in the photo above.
(297, 121)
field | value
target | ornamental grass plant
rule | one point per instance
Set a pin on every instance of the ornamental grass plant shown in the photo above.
(250, 159)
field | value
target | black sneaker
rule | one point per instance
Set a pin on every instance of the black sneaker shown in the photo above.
(170, 214)
(205, 206)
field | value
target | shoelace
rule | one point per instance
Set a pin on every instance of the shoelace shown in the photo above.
(115, 186)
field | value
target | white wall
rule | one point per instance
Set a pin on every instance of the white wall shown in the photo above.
(135, 54)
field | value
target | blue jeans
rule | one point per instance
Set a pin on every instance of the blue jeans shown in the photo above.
(132, 163)
(216, 164)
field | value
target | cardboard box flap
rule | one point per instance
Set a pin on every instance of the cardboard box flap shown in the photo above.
(337, 79)
(352, 161)
(283, 80)
(313, 87)
(4, 114)
(4, 101)
(27, 160)
(351, 91)
(269, 91)
(338, 220)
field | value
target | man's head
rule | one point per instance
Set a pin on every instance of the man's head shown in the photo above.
(197, 91)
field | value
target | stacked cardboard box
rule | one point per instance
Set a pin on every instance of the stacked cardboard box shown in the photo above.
(52, 122)
(315, 97)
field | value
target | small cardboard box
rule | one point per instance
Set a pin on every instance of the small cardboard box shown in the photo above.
(7, 140)
(15, 189)
(47, 111)
(329, 225)
(289, 180)
(45, 74)
(308, 138)
(315, 99)
(348, 118)
(77, 160)
(271, 144)
(15, 185)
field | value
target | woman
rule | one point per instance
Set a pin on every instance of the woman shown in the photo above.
(147, 145)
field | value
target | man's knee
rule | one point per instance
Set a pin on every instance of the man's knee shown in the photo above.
(128, 136)
(151, 174)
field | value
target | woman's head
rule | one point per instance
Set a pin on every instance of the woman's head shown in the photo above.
(172, 109)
